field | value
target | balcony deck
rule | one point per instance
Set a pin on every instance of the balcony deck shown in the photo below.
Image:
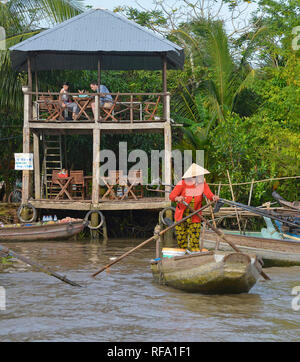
(146, 203)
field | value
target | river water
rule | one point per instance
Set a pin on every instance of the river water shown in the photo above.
(125, 304)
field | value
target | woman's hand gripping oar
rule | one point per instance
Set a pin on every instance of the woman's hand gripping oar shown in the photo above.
(148, 240)
(221, 235)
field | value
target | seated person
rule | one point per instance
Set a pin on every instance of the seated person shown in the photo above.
(67, 101)
(106, 100)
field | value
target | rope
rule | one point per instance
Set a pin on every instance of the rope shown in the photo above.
(249, 183)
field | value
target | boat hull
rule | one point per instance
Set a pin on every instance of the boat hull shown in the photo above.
(228, 273)
(42, 232)
(273, 252)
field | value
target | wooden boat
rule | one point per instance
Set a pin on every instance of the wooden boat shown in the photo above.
(274, 252)
(291, 205)
(208, 272)
(37, 231)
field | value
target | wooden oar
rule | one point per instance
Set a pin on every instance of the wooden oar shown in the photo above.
(150, 239)
(9, 252)
(221, 235)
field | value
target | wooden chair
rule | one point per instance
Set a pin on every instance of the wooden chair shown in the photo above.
(52, 107)
(77, 184)
(151, 109)
(53, 183)
(110, 181)
(109, 114)
(135, 178)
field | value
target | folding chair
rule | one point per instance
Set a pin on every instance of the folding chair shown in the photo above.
(151, 109)
(109, 111)
(52, 106)
(135, 178)
(54, 181)
(110, 182)
(77, 184)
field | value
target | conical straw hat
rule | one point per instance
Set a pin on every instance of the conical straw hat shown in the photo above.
(195, 170)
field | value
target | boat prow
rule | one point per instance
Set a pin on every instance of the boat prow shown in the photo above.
(208, 273)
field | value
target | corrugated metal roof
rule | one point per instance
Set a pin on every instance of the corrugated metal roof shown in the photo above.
(77, 43)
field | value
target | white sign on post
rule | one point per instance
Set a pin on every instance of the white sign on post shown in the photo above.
(24, 161)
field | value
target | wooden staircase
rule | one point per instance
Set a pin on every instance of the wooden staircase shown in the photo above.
(52, 146)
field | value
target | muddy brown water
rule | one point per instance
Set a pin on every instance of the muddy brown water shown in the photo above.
(126, 305)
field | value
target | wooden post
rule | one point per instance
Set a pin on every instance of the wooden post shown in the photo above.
(97, 108)
(131, 109)
(96, 166)
(36, 158)
(104, 230)
(99, 72)
(219, 188)
(26, 144)
(251, 190)
(168, 158)
(233, 199)
(165, 84)
(29, 72)
(161, 226)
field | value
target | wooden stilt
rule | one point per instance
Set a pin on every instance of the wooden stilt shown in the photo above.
(95, 223)
(104, 230)
(96, 166)
(36, 158)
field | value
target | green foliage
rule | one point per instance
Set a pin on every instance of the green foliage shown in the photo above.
(239, 100)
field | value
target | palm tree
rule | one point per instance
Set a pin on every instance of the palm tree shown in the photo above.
(205, 102)
(23, 19)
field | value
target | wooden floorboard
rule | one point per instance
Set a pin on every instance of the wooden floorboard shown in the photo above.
(109, 205)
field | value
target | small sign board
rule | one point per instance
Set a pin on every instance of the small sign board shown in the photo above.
(24, 161)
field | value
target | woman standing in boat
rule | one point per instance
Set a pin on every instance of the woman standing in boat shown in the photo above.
(190, 189)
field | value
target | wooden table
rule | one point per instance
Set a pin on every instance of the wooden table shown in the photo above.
(64, 183)
(83, 103)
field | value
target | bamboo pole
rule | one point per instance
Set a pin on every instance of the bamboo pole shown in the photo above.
(154, 237)
(222, 236)
(251, 190)
(38, 266)
(233, 199)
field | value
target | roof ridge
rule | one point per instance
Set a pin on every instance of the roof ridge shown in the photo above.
(134, 24)
(58, 26)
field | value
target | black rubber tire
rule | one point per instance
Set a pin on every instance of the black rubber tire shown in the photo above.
(33, 216)
(162, 214)
(102, 218)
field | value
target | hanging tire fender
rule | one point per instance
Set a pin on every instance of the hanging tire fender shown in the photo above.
(87, 222)
(162, 213)
(33, 211)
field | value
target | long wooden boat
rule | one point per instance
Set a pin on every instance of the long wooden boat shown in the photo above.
(36, 231)
(273, 252)
(208, 272)
(295, 205)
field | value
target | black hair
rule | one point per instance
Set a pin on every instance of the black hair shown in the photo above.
(94, 82)
(66, 83)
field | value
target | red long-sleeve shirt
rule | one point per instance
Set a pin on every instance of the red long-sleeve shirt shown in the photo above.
(189, 192)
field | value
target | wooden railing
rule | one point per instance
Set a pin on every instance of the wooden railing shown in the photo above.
(101, 107)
